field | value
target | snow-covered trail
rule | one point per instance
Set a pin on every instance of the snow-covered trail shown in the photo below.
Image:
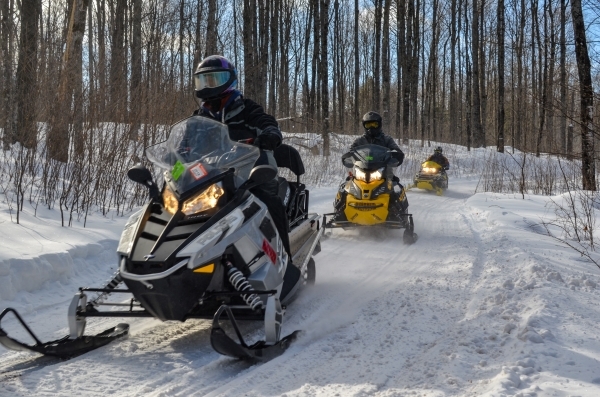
(384, 319)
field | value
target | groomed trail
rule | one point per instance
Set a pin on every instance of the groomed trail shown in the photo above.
(383, 319)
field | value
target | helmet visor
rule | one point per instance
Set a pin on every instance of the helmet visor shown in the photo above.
(371, 124)
(211, 79)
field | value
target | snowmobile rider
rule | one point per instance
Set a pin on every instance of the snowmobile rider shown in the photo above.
(215, 82)
(439, 158)
(372, 123)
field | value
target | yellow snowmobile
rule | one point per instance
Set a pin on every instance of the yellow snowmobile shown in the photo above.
(370, 196)
(432, 176)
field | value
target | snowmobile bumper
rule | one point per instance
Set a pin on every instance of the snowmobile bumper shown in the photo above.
(260, 350)
(332, 223)
(408, 225)
(64, 347)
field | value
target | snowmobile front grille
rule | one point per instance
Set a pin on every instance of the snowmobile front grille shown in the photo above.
(365, 206)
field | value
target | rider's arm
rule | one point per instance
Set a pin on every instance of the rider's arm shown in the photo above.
(391, 144)
(258, 121)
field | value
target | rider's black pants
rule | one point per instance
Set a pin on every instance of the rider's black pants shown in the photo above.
(268, 194)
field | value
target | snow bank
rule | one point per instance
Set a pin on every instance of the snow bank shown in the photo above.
(31, 274)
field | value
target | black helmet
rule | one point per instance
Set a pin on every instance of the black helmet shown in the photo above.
(372, 123)
(438, 150)
(214, 78)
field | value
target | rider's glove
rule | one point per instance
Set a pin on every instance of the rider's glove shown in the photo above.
(268, 140)
(398, 156)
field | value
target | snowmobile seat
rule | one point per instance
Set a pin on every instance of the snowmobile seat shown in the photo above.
(293, 194)
(288, 157)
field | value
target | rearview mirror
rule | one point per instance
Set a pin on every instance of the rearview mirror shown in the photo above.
(140, 174)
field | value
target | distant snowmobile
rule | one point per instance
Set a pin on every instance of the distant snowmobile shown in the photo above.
(431, 176)
(202, 246)
(369, 197)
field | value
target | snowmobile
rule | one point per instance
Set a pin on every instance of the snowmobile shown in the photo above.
(365, 198)
(432, 176)
(202, 247)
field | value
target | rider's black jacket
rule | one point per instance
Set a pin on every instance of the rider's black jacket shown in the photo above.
(246, 119)
(440, 159)
(382, 140)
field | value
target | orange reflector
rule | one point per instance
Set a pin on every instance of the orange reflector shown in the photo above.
(205, 269)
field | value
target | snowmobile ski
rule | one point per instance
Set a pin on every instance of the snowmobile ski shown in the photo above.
(65, 347)
(260, 350)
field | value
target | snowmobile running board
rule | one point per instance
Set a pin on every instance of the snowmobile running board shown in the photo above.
(64, 347)
(226, 346)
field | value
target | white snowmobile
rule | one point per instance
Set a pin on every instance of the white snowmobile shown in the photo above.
(201, 246)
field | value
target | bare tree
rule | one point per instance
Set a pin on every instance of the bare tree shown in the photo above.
(500, 36)
(478, 137)
(586, 92)
(26, 131)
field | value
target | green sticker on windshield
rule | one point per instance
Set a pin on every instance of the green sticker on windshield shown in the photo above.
(178, 169)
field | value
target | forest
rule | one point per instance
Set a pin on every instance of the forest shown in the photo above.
(87, 84)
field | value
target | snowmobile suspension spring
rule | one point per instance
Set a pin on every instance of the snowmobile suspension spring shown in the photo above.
(112, 284)
(241, 284)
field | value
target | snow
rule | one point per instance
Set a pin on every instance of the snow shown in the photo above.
(485, 303)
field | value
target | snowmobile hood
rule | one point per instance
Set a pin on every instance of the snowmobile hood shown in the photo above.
(199, 148)
(369, 157)
(431, 164)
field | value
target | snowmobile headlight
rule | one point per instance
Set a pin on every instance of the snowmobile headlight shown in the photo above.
(360, 174)
(205, 200)
(377, 175)
(170, 201)
(429, 170)
(126, 240)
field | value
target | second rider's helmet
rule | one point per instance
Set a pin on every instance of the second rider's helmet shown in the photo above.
(438, 150)
(372, 121)
(214, 78)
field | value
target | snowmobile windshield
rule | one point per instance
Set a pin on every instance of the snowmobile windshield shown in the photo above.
(198, 147)
(370, 157)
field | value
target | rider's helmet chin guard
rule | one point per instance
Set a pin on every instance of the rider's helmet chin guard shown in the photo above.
(214, 78)
(372, 121)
